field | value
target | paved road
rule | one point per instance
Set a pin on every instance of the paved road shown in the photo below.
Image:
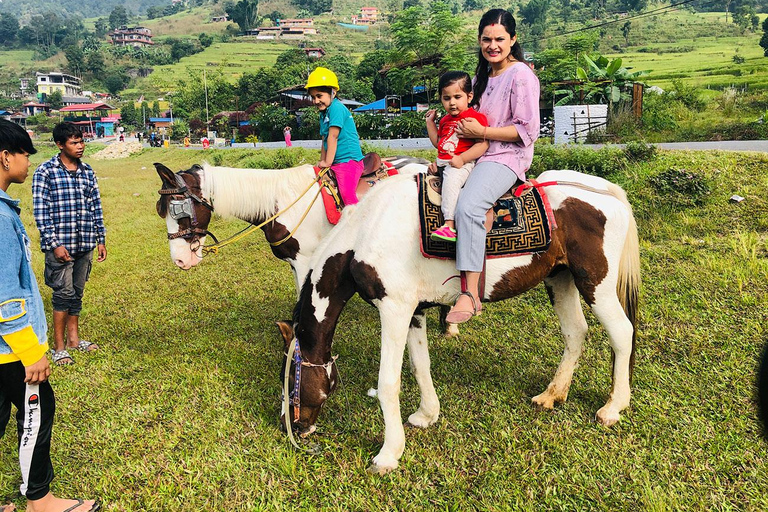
(424, 143)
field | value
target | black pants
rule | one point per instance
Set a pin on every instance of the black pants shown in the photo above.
(35, 406)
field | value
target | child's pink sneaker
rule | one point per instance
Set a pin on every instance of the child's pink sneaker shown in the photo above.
(444, 233)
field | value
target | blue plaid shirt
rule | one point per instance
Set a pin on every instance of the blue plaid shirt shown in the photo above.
(67, 207)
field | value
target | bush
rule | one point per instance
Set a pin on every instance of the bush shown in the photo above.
(308, 124)
(269, 120)
(681, 186)
(688, 95)
(604, 162)
(179, 130)
(639, 151)
(370, 126)
(658, 114)
(406, 126)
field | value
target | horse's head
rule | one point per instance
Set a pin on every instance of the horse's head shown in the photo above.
(308, 390)
(186, 213)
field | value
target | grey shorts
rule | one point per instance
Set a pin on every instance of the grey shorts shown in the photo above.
(67, 280)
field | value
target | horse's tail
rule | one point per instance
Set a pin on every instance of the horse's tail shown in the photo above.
(628, 286)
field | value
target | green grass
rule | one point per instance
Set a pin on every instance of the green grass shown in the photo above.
(178, 411)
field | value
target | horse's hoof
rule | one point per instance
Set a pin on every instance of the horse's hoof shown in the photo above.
(543, 402)
(451, 331)
(607, 418)
(379, 470)
(420, 420)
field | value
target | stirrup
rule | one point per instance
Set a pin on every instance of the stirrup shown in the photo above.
(459, 317)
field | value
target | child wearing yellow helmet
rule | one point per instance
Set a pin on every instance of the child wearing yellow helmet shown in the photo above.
(341, 144)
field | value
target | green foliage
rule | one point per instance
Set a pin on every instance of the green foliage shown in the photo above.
(115, 80)
(179, 129)
(42, 123)
(605, 163)
(129, 115)
(313, 7)
(206, 40)
(685, 188)
(370, 126)
(308, 124)
(118, 17)
(244, 13)
(268, 122)
(764, 37)
(155, 109)
(54, 99)
(9, 28)
(688, 95)
(640, 151)
(658, 113)
(405, 126)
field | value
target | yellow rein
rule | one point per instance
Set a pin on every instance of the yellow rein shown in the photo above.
(214, 249)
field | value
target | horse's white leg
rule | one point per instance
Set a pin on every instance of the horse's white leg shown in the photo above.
(418, 349)
(449, 330)
(395, 320)
(565, 299)
(608, 310)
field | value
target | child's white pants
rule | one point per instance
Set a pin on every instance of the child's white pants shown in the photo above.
(453, 179)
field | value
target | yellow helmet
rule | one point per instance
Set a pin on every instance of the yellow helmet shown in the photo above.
(322, 77)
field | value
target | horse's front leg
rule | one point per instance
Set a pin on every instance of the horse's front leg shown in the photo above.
(449, 330)
(418, 349)
(395, 319)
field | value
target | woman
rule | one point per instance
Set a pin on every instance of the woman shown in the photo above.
(506, 91)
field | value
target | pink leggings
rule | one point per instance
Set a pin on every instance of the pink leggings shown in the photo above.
(348, 176)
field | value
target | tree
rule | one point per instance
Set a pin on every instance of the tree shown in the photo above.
(94, 63)
(75, 59)
(244, 13)
(314, 6)
(128, 114)
(535, 12)
(54, 99)
(154, 11)
(9, 28)
(155, 109)
(206, 40)
(764, 39)
(115, 81)
(118, 17)
(291, 57)
(101, 27)
(625, 31)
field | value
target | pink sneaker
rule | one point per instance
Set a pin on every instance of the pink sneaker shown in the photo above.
(444, 233)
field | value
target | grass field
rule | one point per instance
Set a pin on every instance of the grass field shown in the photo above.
(178, 411)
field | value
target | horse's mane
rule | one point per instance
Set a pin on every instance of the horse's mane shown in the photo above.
(252, 192)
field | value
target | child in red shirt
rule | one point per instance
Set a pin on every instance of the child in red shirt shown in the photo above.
(454, 154)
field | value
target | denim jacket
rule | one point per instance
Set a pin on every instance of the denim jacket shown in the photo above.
(21, 305)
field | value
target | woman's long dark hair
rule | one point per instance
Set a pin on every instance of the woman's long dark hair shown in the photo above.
(502, 17)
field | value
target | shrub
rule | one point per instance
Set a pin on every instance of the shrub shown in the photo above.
(370, 126)
(405, 126)
(688, 95)
(308, 124)
(269, 121)
(604, 162)
(639, 151)
(682, 186)
(727, 100)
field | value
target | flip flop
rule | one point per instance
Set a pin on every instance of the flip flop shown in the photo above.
(96, 506)
(62, 358)
(85, 346)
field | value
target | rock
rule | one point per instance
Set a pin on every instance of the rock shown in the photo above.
(118, 150)
(736, 199)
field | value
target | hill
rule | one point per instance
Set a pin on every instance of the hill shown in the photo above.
(24, 8)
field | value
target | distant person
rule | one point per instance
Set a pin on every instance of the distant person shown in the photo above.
(455, 155)
(186, 141)
(341, 144)
(24, 367)
(122, 138)
(69, 216)
(138, 136)
(206, 142)
(287, 135)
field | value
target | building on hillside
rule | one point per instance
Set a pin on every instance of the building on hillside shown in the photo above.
(25, 86)
(32, 108)
(5, 114)
(132, 36)
(219, 19)
(286, 29)
(69, 101)
(160, 123)
(68, 85)
(264, 32)
(367, 16)
(314, 53)
(296, 23)
(295, 98)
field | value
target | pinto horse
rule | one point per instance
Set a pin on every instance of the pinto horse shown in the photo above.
(594, 254)
(188, 198)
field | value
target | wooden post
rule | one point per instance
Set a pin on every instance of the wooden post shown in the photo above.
(637, 100)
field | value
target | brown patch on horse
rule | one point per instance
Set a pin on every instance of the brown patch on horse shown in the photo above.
(584, 246)
(367, 281)
(274, 232)
(518, 280)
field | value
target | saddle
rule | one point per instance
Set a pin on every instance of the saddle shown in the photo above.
(375, 170)
(521, 221)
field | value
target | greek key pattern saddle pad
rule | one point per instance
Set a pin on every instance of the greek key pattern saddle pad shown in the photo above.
(520, 225)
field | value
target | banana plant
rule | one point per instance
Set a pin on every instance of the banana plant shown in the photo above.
(602, 80)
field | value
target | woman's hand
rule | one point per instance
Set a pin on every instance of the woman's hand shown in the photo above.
(432, 168)
(470, 128)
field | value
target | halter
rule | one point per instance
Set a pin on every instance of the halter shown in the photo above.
(293, 398)
(184, 209)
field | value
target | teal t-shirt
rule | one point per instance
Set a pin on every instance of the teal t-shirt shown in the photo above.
(348, 147)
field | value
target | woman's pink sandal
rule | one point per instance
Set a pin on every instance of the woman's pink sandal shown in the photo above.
(455, 316)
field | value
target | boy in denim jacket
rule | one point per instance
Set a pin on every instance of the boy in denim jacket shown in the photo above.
(24, 368)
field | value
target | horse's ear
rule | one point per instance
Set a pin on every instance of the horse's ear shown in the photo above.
(286, 330)
(167, 175)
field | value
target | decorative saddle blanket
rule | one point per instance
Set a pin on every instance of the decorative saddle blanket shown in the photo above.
(375, 171)
(522, 222)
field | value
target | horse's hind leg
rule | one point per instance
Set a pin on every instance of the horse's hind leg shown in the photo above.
(565, 299)
(608, 310)
(418, 349)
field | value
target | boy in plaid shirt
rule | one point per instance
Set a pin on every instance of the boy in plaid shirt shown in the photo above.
(68, 213)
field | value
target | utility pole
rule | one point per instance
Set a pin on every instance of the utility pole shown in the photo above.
(205, 85)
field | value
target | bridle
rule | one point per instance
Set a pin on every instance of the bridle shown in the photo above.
(292, 399)
(185, 209)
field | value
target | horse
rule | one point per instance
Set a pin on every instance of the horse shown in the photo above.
(594, 254)
(187, 200)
